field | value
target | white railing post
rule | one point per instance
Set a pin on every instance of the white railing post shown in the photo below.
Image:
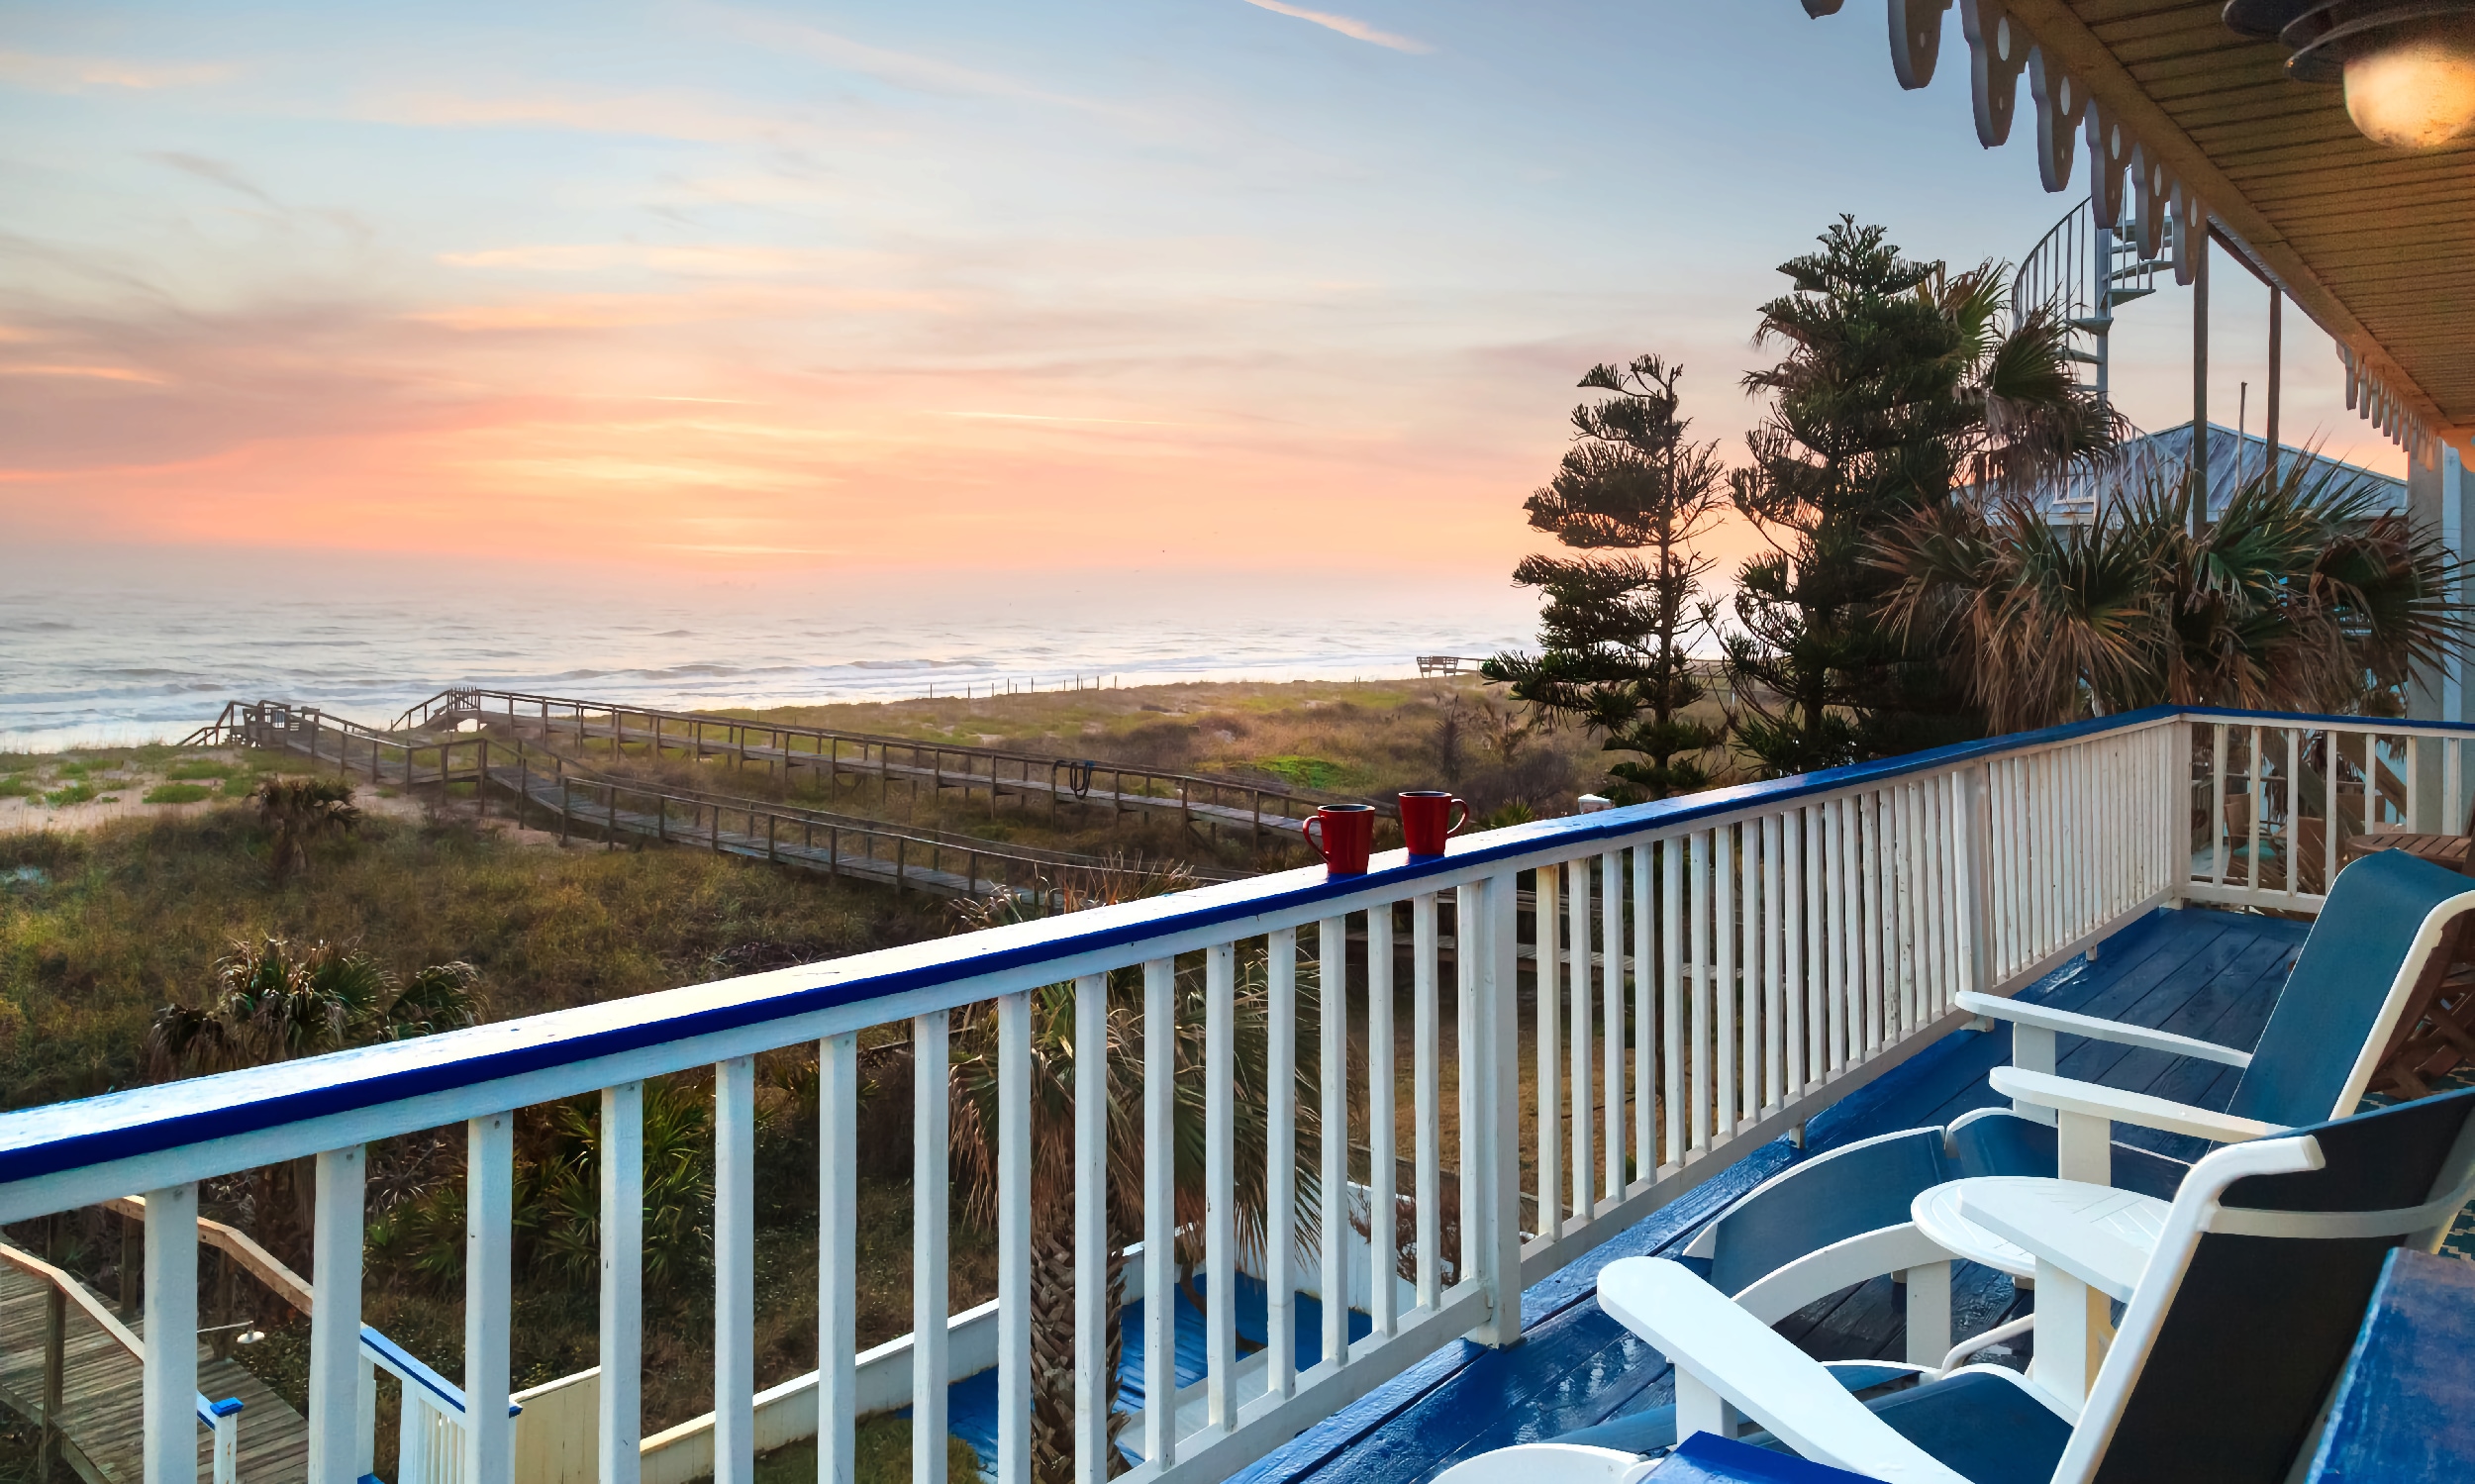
(837, 1258)
(365, 1419)
(1159, 1217)
(929, 1201)
(1280, 1156)
(1490, 916)
(1383, 1217)
(1219, 1216)
(170, 1383)
(734, 1271)
(619, 1420)
(1425, 1100)
(334, 1360)
(489, 1230)
(1973, 842)
(1331, 1026)
(1013, 1238)
(1094, 1396)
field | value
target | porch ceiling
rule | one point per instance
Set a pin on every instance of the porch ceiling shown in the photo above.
(2378, 247)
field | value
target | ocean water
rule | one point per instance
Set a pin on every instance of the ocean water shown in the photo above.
(126, 647)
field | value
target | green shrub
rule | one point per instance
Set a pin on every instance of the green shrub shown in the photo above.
(179, 793)
(19, 786)
(79, 792)
(200, 767)
(19, 762)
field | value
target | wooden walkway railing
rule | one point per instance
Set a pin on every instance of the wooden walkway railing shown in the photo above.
(599, 806)
(1080, 783)
(68, 1361)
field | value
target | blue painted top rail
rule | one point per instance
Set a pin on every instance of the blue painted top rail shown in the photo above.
(91, 1132)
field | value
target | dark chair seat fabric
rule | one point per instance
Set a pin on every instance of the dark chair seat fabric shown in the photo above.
(1981, 1427)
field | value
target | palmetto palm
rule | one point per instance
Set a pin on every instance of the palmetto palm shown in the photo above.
(297, 811)
(976, 1113)
(2305, 595)
(275, 1000)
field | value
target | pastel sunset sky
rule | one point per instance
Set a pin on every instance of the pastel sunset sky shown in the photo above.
(1226, 284)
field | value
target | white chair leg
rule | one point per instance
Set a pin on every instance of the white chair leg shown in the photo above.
(1699, 1409)
(1929, 1313)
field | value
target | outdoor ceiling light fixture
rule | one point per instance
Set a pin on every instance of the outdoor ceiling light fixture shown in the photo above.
(2408, 65)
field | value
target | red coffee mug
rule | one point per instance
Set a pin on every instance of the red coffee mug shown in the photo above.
(1346, 838)
(1426, 817)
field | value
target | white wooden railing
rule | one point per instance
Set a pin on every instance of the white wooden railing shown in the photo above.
(2280, 802)
(1714, 970)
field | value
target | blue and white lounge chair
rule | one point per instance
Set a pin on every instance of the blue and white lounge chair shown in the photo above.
(2237, 1328)
(2379, 936)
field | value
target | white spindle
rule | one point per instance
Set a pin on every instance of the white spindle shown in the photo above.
(1280, 1223)
(1466, 944)
(619, 1424)
(1577, 909)
(1219, 1216)
(1013, 1238)
(1774, 979)
(1547, 929)
(1839, 856)
(1645, 1042)
(1612, 982)
(1383, 1221)
(1705, 985)
(929, 1199)
(838, 1260)
(2294, 808)
(1159, 1219)
(2216, 801)
(1426, 1104)
(1331, 947)
(1672, 932)
(1730, 991)
(334, 1368)
(734, 1269)
(489, 1228)
(168, 1388)
(1746, 977)
(1095, 1389)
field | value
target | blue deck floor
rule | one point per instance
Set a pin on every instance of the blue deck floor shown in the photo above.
(2204, 973)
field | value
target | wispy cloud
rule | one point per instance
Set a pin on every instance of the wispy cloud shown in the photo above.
(214, 172)
(904, 69)
(1348, 26)
(73, 74)
(97, 374)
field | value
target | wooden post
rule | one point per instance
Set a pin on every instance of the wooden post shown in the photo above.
(481, 784)
(772, 852)
(899, 844)
(2200, 382)
(567, 801)
(610, 831)
(833, 853)
(2277, 358)
(54, 1358)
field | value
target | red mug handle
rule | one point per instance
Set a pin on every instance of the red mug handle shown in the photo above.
(1451, 825)
(1308, 830)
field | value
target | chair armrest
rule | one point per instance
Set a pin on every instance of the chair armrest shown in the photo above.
(1723, 1348)
(2095, 1029)
(2067, 1095)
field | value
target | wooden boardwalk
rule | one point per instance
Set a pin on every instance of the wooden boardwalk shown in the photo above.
(102, 1409)
(582, 801)
(1059, 782)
